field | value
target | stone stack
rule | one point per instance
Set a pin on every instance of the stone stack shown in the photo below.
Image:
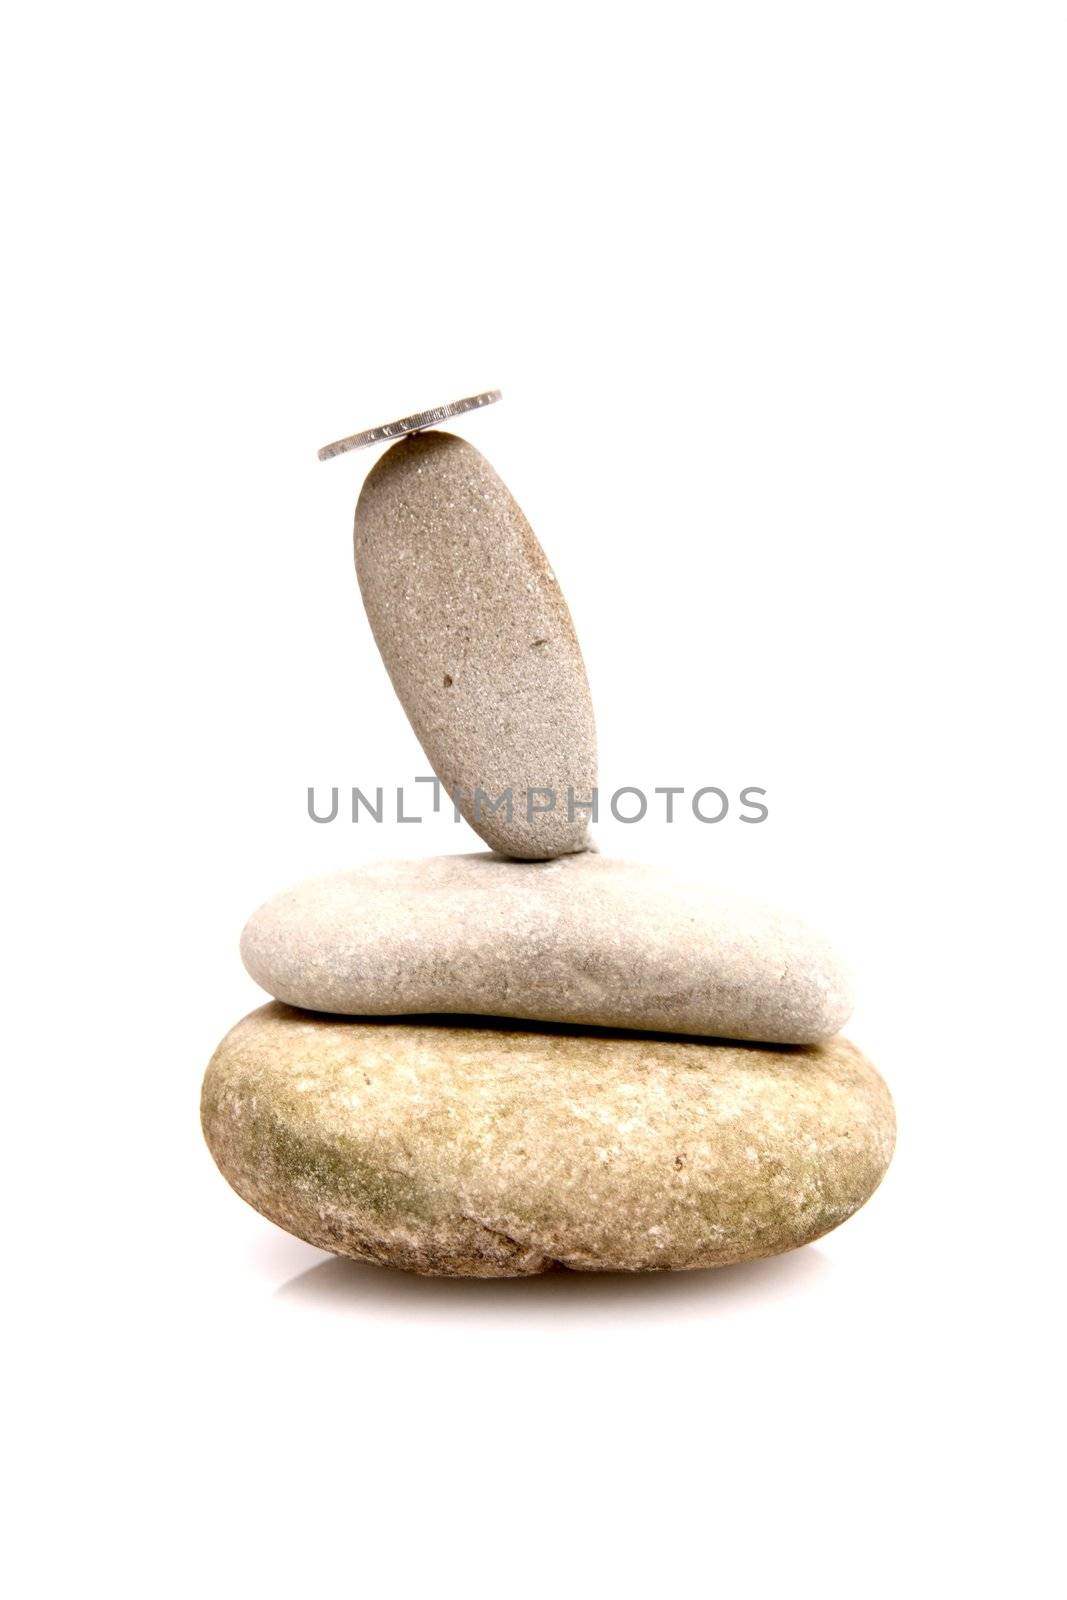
(494, 1065)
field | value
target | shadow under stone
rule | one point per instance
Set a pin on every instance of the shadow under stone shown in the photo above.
(354, 1287)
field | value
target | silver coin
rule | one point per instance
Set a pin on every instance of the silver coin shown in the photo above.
(396, 430)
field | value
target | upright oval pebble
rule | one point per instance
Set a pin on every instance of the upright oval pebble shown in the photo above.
(479, 644)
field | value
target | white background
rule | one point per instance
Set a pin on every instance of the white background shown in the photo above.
(775, 294)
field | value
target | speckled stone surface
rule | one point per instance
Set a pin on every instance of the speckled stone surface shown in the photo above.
(478, 642)
(484, 1151)
(584, 939)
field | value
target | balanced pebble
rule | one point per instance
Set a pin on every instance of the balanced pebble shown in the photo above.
(479, 644)
(585, 939)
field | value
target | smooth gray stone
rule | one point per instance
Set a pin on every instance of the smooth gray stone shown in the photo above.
(478, 642)
(584, 939)
(494, 1151)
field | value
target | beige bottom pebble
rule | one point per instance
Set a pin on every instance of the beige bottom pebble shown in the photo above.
(502, 1150)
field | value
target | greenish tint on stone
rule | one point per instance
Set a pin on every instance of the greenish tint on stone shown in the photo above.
(490, 1150)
